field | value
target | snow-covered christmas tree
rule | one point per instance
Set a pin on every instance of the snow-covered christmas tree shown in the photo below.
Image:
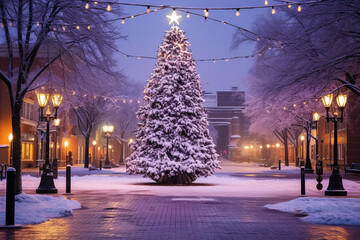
(173, 144)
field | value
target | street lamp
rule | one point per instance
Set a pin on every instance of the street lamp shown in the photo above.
(94, 155)
(312, 125)
(47, 179)
(11, 137)
(108, 129)
(56, 124)
(66, 144)
(335, 187)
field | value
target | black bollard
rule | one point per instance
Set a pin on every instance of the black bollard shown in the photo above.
(68, 178)
(10, 196)
(279, 164)
(302, 180)
(100, 164)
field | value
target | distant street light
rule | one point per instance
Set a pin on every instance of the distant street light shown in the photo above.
(66, 144)
(47, 179)
(108, 129)
(11, 137)
(335, 187)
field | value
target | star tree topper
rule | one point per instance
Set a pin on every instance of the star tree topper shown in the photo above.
(174, 18)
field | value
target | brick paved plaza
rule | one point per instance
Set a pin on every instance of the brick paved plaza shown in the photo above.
(140, 214)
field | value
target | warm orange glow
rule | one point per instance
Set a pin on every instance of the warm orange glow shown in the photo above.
(299, 8)
(108, 8)
(87, 6)
(56, 122)
(108, 128)
(43, 99)
(316, 116)
(131, 140)
(341, 100)
(56, 99)
(277, 145)
(302, 138)
(94, 142)
(110, 146)
(261, 146)
(327, 100)
(66, 143)
(237, 12)
(48, 112)
(11, 137)
(266, 2)
(273, 11)
(251, 146)
(246, 147)
(268, 145)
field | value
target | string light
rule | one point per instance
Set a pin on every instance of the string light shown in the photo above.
(213, 60)
(63, 28)
(206, 12)
(77, 27)
(237, 12)
(96, 3)
(289, 5)
(122, 20)
(108, 8)
(187, 15)
(273, 10)
(148, 9)
(266, 2)
(89, 27)
(299, 8)
(87, 6)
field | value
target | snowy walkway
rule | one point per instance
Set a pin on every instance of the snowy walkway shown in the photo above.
(229, 205)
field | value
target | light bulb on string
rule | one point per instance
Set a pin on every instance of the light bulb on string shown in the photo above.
(64, 28)
(266, 2)
(299, 8)
(273, 10)
(108, 8)
(289, 5)
(89, 27)
(95, 3)
(132, 16)
(87, 6)
(206, 12)
(123, 21)
(237, 12)
(37, 23)
(77, 27)
(148, 9)
(213, 60)
(187, 15)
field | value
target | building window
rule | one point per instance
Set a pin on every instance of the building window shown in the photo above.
(27, 151)
(28, 111)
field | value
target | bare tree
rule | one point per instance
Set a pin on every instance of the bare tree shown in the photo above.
(69, 32)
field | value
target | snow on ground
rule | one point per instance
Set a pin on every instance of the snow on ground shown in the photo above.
(234, 180)
(338, 211)
(33, 209)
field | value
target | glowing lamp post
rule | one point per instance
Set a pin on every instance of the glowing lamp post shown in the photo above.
(11, 137)
(335, 187)
(94, 155)
(108, 129)
(47, 179)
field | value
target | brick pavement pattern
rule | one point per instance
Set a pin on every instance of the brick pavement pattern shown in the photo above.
(111, 215)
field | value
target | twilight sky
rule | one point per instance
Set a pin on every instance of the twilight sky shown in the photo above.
(208, 39)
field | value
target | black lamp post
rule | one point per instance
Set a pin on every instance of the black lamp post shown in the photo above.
(47, 179)
(108, 129)
(313, 125)
(335, 187)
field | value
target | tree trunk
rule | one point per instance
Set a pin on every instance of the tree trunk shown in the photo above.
(286, 148)
(16, 125)
(86, 161)
(180, 178)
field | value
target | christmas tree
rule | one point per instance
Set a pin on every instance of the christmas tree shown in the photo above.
(173, 144)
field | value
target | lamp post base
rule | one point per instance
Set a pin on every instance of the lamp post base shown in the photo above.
(47, 183)
(335, 187)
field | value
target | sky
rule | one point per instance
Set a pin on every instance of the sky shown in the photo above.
(208, 39)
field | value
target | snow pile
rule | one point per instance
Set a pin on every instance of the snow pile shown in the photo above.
(33, 209)
(345, 211)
